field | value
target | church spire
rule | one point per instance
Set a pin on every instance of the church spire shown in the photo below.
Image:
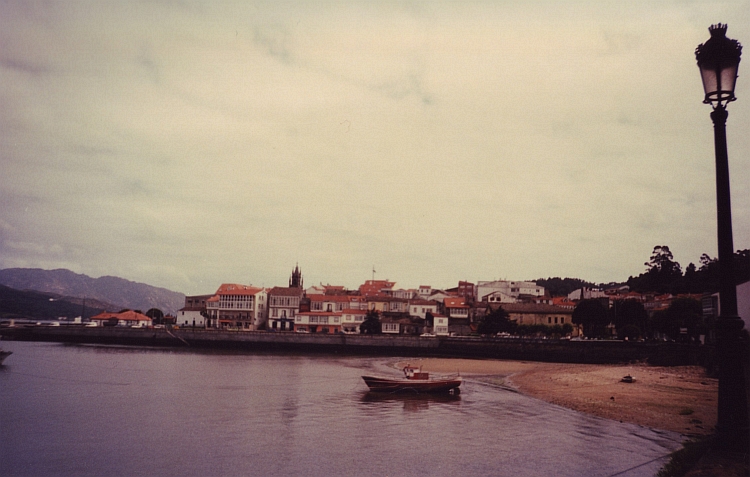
(295, 281)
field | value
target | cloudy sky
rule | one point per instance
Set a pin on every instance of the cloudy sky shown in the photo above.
(189, 143)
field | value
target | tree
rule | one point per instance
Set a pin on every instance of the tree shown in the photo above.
(662, 275)
(429, 319)
(592, 315)
(495, 322)
(371, 325)
(682, 313)
(562, 286)
(156, 315)
(630, 318)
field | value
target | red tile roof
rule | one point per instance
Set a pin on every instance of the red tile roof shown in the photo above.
(331, 298)
(455, 303)
(236, 289)
(128, 315)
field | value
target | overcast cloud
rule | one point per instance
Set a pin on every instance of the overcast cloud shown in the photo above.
(188, 143)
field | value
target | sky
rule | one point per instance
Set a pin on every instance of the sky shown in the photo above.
(185, 144)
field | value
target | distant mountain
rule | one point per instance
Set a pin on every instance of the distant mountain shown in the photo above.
(34, 305)
(118, 292)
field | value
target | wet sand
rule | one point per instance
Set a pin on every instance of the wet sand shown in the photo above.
(681, 399)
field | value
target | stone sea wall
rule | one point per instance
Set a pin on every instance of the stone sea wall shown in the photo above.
(565, 351)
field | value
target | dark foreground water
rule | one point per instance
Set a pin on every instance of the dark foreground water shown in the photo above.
(102, 411)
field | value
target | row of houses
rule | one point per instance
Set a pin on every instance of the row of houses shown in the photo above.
(333, 309)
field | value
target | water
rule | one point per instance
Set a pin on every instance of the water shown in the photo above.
(96, 410)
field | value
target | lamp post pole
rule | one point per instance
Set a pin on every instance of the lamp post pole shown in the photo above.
(732, 421)
(718, 60)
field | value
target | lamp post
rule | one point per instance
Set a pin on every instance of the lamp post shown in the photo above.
(718, 60)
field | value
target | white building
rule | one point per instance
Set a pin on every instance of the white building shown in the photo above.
(194, 312)
(440, 325)
(318, 322)
(239, 307)
(351, 319)
(420, 308)
(512, 289)
(586, 293)
(498, 297)
(712, 304)
(283, 305)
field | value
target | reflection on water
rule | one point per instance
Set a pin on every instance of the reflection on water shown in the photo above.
(93, 410)
(408, 402)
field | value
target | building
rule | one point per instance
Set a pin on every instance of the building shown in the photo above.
(458, 313)
(126, 318)
(539, 314)
(194, 312)
(376, 287)
(318, 322)
(498, 297)
(331, 303)
(440, 325)
(420, 308)
(351, 319)
(237, 307)
(712, 305)
(283, 306)
(586, 293)
(424, 291)
(403, 325)
(513, 289)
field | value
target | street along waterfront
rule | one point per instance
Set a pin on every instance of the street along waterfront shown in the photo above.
(109, 410)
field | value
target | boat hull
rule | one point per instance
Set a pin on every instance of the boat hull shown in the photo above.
(419, 386)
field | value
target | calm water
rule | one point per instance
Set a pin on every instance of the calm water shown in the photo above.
(100, 411)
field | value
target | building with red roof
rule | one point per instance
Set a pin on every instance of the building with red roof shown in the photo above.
(239, 307)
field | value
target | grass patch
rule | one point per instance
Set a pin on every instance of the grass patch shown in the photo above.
(686, 412)
(683, 460)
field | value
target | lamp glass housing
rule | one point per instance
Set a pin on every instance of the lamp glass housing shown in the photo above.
(718, 60)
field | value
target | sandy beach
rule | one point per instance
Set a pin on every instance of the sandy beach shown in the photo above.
(681, 399)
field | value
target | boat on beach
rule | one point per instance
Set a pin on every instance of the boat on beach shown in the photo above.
(414, 381)
(4, 354)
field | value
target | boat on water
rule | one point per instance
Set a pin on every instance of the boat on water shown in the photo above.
(414, 381)
(4, 354)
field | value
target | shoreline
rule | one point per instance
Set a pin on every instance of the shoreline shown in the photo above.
(680, 399)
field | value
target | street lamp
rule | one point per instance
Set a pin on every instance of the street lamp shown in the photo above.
(718, 60)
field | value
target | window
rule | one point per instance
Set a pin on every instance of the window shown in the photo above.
(390, 327)
(549, 319)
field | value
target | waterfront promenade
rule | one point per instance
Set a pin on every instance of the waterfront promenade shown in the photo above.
(551, 350)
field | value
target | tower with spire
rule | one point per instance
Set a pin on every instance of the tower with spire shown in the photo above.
(295, 281)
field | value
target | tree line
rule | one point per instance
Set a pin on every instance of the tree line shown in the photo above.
(663, 275)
